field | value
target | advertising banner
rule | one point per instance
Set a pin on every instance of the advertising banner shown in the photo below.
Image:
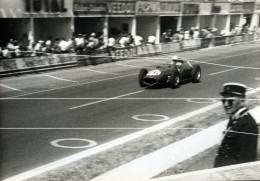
(190, 9)
(205, 42)
(149, 49)
(147, 8)
(82, 7)
(170, 8)
(190, 44)
(220, 40)
(35, 62)
(170, 47)
(236, 8)
(121, 53)
(121, 7)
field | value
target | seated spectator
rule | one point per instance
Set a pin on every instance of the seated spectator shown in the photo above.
(223, 32)
(191, 32)
(186, 35)
(151, 39)
(56, 48)
(48, 45)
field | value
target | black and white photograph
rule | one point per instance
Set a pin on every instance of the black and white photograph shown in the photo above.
(129, 90)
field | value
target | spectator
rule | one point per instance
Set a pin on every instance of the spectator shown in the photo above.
(151, 39)
(64, 47)
(191, 32)
(223, 32)
(38, 48)
(176, 37)
(48, 45)
(239, 143)
(123, 41)
(24, 42)
(196, 33)
(138, 40)
(186, 35)
(111, 42)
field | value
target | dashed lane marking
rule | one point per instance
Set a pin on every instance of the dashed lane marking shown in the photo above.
(99, 71)
(67, 80)
(84, 105)
(12, 88)
(223, 71)
(127, 65)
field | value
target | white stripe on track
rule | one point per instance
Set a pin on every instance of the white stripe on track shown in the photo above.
(99, 71)
(127, 65)
(84, 105)
(10, 87)
(57, 78)
(223, 71)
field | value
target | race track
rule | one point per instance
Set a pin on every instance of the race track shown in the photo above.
(51, 115)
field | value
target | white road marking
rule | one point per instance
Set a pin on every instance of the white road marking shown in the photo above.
(223, 71)
(127, 65)
(99, 71)
(46, 75)
(107, 99)
(69, 86)
(111, 144)
(10, 87)
(89, 145)
(204, 101)
(140, 117)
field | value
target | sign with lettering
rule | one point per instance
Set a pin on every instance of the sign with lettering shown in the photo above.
(236, 8)
(121, 7)
(190, 9)
(85, 7)
(170, 8)
(147, 8)
(34, 6)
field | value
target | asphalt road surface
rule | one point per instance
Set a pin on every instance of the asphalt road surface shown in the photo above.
(51, 115)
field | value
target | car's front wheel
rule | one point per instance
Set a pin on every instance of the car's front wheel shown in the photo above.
(196, 74)
(174, 79)
(142, 74)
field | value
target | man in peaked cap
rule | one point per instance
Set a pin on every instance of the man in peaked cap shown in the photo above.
(239, 143)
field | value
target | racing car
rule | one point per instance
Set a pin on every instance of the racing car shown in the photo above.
(174, 73)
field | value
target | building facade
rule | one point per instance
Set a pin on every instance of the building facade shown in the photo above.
(41, 19)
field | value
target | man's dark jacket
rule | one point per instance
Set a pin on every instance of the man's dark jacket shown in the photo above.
(239, 144)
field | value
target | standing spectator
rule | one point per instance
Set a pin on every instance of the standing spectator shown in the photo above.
(239, 144)
(111, 42)
(151, 39)
(48, 45)
(192, 32)
(64, 46)
(38, 48)
(123, 41)
(176, 37)
(196, 33)
(138, 40)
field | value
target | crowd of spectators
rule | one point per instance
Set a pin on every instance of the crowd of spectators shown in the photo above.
(88, 44)
(79, 44)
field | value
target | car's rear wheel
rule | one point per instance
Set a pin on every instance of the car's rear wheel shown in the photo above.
(142, 74)
(196, 74)
(174, 79)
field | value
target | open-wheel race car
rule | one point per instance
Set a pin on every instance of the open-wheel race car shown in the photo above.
(174, 73)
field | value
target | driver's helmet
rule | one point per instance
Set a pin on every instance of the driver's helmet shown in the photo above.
(174, 58)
